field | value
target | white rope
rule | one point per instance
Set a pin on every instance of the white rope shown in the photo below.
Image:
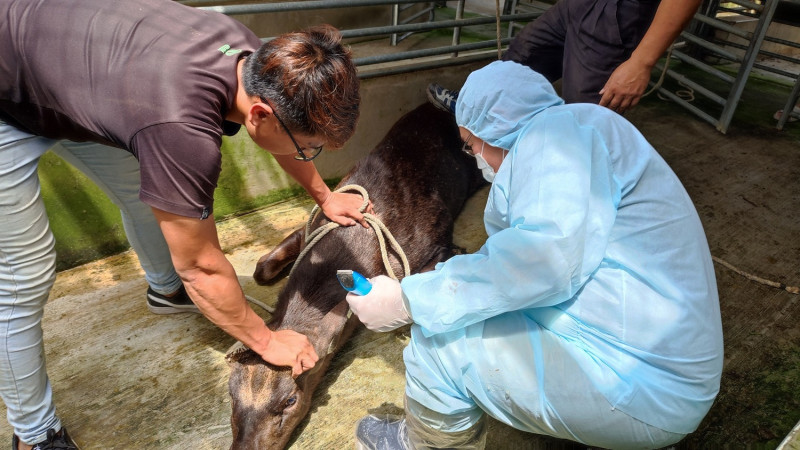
(497, 26)
(381, 232)
(685, 94)
(663, 73)
(312, 237)
(265, 307)
(757, 279)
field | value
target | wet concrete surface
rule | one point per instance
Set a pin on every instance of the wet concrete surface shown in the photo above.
(127, 379)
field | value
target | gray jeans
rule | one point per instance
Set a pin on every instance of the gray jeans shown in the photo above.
(27, 262)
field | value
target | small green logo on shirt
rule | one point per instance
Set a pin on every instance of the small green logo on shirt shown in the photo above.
(228, 51)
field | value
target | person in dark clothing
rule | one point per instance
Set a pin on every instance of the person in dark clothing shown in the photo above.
(155, 85)
(602, 50)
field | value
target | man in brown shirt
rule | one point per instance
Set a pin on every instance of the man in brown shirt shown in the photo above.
(162, 82)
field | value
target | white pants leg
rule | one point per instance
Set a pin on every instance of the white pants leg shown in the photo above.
(116, 173)
(27, 272)
(521, 374)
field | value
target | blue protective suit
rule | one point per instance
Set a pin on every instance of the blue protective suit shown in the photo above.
(596, 276)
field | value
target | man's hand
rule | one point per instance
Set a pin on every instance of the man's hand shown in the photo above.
(628, 82)
(344, 209)
(341, 208)
(292, 349)
(383, 308)
(625, 86)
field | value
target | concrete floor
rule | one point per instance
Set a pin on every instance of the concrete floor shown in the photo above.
(127, 379)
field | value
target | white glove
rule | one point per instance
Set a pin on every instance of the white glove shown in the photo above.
(383, 308)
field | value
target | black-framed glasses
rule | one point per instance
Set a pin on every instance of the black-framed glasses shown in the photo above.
(302, 153)
(467, 147)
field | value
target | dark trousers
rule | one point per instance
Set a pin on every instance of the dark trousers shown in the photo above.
(581, 42)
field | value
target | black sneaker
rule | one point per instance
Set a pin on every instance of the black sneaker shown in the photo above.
(382, 433)
(178, 303)
(55, 441)
(442, 98)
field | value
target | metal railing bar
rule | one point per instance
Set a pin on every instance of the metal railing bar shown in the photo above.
(439, 63)
(782, 41)
(775, 70)
(417, 15)
(457, 30)
(195, 3)
(713, 96)
(748, 59)
(378, 59)
(747, 4)
(786, 58)
(710, 46)
(788, 108)
(697, 111)
(429, 26)
(741, 12)
(722, 25)
(300, 6)
(396, 10)
(711, 70)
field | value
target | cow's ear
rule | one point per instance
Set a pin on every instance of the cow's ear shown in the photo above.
(276, 264)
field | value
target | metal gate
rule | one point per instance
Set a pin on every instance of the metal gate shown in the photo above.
(711, 38)
(407, 17)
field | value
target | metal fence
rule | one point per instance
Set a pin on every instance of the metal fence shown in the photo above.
(425, 18)
(710, 37)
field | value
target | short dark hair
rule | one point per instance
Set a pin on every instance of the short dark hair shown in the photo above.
(309, 77)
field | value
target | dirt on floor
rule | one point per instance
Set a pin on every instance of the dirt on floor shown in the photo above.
(126, 379)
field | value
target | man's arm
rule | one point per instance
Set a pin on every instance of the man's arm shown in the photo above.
(628, 82)
(340, 207)
(213, 286)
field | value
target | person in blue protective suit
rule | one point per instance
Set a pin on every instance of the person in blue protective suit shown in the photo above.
(591, 311)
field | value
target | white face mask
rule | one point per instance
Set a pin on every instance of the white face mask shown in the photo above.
(486, 169)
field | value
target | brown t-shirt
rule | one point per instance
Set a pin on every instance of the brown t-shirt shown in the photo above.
(150, 76)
